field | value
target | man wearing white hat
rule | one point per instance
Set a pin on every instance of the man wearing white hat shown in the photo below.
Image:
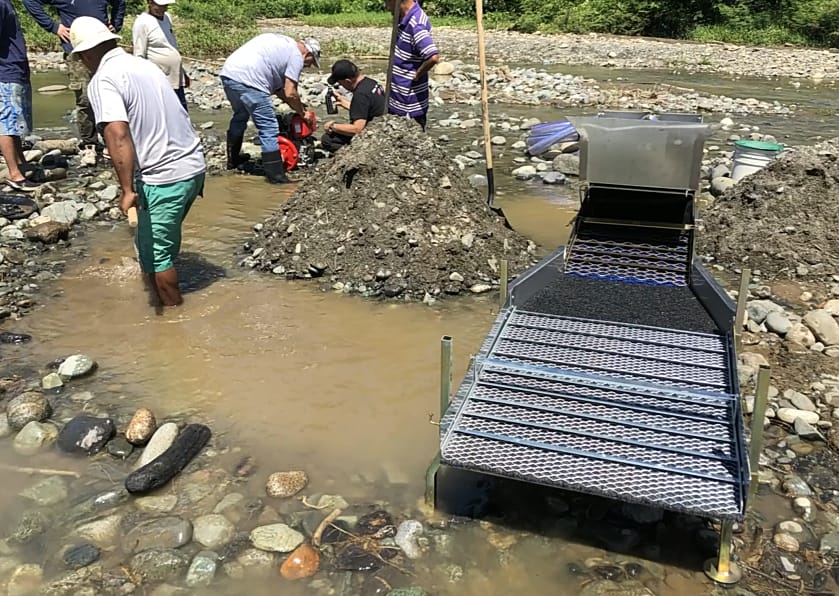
(269, 64)
(146, 131)
(154, 40)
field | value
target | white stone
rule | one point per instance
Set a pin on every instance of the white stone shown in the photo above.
(823, 326)
(160, 441)
(276, 538)
(62, 211)
(789, 415)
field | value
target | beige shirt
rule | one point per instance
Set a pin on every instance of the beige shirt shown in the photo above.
(155, 41)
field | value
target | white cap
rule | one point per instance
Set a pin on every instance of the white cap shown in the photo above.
(163, 2)
(313, 46)
(86, 33)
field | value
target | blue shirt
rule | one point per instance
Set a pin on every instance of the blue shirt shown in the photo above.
(14, 67)
(413, 47)
(68, 10)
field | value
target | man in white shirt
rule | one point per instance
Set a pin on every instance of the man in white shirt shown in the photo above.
(269, 64)
(147, 132)
(155, 41)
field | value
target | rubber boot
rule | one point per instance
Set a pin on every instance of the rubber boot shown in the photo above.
(235, 157)
(272, 163)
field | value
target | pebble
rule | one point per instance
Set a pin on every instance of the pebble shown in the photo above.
(213, 530)
(202, 570)
(806, 430)
(81, 555)
(829, 542)
(276, 538)
(823, 326)
(790, 527)
(34, 437)
(407, 535)
(796, 487)
(101, 531)
(790, 415)
(86, 434)
(27, 407)
(524, 172)
(119, 448)
(77, 365)
(303, 562)
(498, 140)
(141, 427)
(26, 579)
(164, 532)
(159, 564)
(5, 429)
(160, 442)
(286, 484)
(46, 492)
(229, 500)
(480, 288)
(777, 322)
(161, 504)
(799, 400)
(786, 542)
(52, 381)
(332, 502)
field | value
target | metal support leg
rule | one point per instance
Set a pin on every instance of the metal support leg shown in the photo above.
(445, 394)
(502, 294)
(743, 293)
(723, 570)
(758, 416)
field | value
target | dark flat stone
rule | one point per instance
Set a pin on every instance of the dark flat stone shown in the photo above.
(86, 434)
(81, 555)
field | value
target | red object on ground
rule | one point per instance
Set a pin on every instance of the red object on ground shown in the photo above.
(288, 151)
(300, 129)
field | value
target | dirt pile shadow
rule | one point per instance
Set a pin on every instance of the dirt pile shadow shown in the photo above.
(781, 220)
(390, 216)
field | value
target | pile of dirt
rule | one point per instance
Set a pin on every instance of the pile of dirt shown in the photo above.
(782, 220)
(391, 215)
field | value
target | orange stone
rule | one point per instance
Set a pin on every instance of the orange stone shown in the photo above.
(303, 562)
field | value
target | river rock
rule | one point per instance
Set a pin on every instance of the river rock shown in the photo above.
(46, 492)
(823, 326)
(721, 184)
(257, 560)
(286, 484)
(159, 564)
(165, 532)
(34, 437)
(48, 232)
(758, 310)
(86, 434)
(789, 415)
(443, 68)
(119, 448)
(276, 538)
(32, 524)
(786, 542)
(25, 580)
(829, 543)
(796, 487)
(801, 334)
(77, 365)
(52, 381)
(212, 531)
(407, 536)
(157, 504)
(101, 531)
(5, 429)
(81, 555)
(806, 431)
(27, 407)
(567, 163)
(141, 428)
(799, 400)
(778, 322)
(524, 172)
(161, 440)
(202, 570)
(409, 591)
(303, 562)
(65, 212)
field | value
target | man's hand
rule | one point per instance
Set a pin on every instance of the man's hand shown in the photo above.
(63, 33)
(309, 117)
(111, 28)
(328, 125)
(128, 200)
(343, 101)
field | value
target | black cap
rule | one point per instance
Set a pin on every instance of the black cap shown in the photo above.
(342, 69)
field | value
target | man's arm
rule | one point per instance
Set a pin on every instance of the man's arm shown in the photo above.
(425, 48)
(427, 65)
(140, 39)
(349, 130)
(292, 97)
(117, 14)
(36, 9)
(121, 148)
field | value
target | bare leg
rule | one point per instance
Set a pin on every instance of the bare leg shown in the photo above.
(166, 283)
(10, 154)
(19, 149)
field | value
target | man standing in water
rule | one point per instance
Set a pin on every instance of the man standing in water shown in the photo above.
(15, 97)
(146, 130)
(414, 55)
(155, 41)
(68, 11)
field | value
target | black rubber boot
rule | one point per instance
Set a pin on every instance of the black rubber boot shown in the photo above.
(272, 163)
(235, 157)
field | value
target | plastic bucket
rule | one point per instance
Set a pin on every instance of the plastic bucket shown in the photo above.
(752, 156)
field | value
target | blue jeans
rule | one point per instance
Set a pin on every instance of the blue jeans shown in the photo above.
(248, 102)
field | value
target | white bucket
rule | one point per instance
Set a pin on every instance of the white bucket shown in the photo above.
(752, 156)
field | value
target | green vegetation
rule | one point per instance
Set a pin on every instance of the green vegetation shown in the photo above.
(216, 27)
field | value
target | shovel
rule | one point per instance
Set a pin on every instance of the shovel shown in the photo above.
(482, 64)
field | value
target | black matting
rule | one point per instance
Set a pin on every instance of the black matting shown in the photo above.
(636, 304)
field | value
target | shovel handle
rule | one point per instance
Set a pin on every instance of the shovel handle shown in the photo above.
(132, 217)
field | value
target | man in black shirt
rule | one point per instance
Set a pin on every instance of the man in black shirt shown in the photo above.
(368, 101)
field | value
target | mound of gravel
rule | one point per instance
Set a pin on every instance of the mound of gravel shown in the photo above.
(390, 216)
(782, 220)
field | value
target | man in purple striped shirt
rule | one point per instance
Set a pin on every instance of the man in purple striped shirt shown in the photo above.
(415, 54)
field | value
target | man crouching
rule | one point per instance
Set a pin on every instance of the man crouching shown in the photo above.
(146, 130)
(368, 102)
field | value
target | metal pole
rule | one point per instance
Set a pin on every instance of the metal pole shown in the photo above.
(445, 394)
(503, 289)
(758, 416)
(723, 570)
(394, 32)
(742, 294)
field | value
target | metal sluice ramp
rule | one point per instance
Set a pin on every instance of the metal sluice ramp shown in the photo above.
(611, 367)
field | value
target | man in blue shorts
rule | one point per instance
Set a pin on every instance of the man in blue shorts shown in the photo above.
(145, 130)
(15, 97)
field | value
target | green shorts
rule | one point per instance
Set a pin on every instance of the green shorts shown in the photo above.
(162, 210)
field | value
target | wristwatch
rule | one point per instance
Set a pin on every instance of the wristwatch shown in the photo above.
(331, 128)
